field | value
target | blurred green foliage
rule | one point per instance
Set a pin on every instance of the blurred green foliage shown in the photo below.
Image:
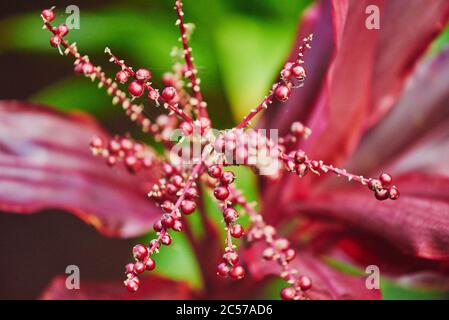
(178, 263)
(238, 46)
(441, 42)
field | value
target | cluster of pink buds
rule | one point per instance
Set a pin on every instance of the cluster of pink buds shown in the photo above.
(143, 262)
(383, 187)
(178, 187)
(245, 147)
(299, 162)
(297, 131)
(221, 181)
(292, 75)
(134, 155)
(176, 197)
(58, 32)
(278, 249)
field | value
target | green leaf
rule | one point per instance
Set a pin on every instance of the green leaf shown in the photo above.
(76, 94)
(246, 182)
(272, 290)
(441, 42)
(195, 223)
(250, 52)
(344, 267)
(395, 291)
(251, 48)
(177, 262)
(213, 211)
(391, 289)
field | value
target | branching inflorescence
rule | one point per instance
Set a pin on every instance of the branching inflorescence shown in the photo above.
(177, 190)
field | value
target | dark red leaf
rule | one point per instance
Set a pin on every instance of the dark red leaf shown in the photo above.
(338, 114)
(362, 250)
(428, 155)
(366, 74)
(316, 20)
(45, 162)
(421, 113)
(425, 186)
(151, 288)
(328, 283)
(418, 226)
(406, 31)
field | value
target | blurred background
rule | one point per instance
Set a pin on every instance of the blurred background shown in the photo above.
(238, 47)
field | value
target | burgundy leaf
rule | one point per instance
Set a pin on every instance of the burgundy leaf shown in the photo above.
(424, 185)
(417, 225)
(340, 113)
(151, 288)
(428, 280)
(429, 155)
(360, 249)
(406, 31)
(316, 20)
(328, 283)
(45, 162)
(367, 71)
(421, 109)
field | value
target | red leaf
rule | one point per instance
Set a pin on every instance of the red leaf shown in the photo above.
(341, 107)
(45, 162)
(360, 249)
(340, 113)
(151, 288)
(366, 74)
(421, 113)
(328, 283)
(316, 20)
(424, 186)
(416, 225)
(407, 29)
(428, 155)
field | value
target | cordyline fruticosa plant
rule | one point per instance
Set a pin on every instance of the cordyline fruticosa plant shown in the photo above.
(176, 192)
(354, 78)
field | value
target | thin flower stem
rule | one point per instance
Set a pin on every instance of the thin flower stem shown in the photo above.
(191, 70)
(194, 176)
(286, 76)
(268, 234)
(264, 105)
(133, 111)
(254, 215)
(157, 243)
(119, 95)
(324, 168)
(229, 244)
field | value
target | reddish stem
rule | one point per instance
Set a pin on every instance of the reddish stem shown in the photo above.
(172, 106)
(133, 111)
(264, 105)
(191, 70)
